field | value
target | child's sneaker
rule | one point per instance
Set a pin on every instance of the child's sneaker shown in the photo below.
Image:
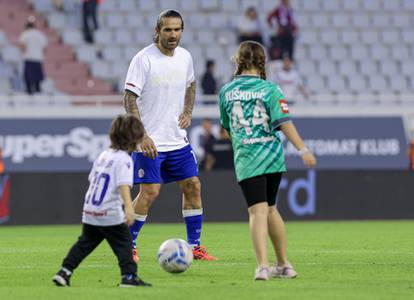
(261, 273)
(62, 278)
(132, 281)
(283, 272)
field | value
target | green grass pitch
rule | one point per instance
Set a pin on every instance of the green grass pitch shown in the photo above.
(335, 260)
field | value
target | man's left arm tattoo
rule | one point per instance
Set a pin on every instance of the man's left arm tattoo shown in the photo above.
(190, 98)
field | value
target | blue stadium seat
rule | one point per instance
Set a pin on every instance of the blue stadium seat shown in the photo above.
(368, 67)
(127, 6)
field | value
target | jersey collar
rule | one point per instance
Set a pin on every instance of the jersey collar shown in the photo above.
(254, 76)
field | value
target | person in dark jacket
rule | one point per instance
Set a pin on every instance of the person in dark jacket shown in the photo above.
(208, 81)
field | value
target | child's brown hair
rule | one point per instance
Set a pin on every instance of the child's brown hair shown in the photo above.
(126, 132)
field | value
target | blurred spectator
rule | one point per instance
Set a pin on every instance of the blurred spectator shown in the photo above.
(283, 42)
(208, 81)
(289, 81)
(208, 139)
(222, 151)
(4, 191)
(2, 167)
(33, 44)
(411, 153)
(249, 27)
(90, 19)
(58, 4)
(218, 152)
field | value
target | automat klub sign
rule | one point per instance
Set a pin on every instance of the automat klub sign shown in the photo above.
(49, 145)
(352, 143)
(375, 143)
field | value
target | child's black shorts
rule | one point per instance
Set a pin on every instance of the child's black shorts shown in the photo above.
(262, 188)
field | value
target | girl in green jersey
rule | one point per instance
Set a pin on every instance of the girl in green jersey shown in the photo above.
(253, 110)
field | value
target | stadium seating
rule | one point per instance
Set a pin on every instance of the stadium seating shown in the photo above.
(64, 73)
(353, 46)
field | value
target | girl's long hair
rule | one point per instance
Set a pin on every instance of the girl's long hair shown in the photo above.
(251, 55)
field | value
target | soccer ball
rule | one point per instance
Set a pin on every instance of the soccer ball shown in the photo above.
(175, 255)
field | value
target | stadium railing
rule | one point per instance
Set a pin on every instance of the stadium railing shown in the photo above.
(19, 100)
(61, 106)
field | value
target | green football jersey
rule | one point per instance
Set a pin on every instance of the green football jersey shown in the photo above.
(251, 110)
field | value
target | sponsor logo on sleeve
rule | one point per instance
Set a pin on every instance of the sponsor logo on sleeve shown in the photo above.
(284, 106)
(131, 84)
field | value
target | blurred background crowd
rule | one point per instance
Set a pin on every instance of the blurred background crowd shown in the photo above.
(356, 48)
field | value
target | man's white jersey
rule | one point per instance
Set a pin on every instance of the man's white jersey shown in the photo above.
(103, 203)
(160, 81)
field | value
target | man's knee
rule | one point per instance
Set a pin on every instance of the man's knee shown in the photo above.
(148, 194)
(191, 187)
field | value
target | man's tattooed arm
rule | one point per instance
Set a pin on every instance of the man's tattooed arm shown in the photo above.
(184, 120)
(147, 145)
(190, 98)
(130, 103)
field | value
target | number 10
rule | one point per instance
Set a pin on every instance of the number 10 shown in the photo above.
(98, 188)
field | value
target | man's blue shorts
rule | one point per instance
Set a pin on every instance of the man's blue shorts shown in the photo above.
(168, 166)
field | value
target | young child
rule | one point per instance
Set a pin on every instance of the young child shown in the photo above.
(108, 195)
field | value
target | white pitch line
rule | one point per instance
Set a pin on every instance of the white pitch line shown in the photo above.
(388, 252)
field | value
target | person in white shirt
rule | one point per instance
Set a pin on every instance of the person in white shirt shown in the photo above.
(249, 26)
(33, 44)
(160, 90)
(290, 82)
(108, 205)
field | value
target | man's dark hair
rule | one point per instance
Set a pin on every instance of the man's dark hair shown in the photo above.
(169, 13)
(126, 132)
(209, 63)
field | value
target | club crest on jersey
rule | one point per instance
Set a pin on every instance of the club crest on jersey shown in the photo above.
(284, 106)
(141, 173)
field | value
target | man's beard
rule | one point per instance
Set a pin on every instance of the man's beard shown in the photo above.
(166, 45)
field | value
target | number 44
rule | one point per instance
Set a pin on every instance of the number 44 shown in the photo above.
(260, 117)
